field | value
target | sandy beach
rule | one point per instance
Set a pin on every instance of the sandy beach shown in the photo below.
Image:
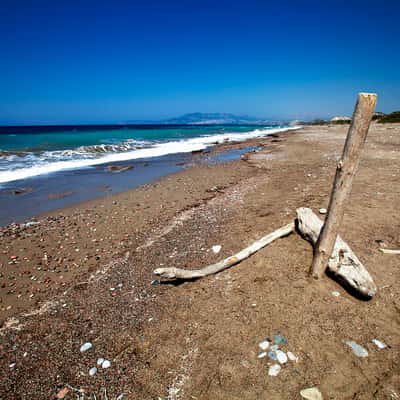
(84, 274)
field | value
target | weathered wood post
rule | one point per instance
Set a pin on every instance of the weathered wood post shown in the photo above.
(345, 172)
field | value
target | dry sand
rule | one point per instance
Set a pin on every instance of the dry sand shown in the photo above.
(199, 340)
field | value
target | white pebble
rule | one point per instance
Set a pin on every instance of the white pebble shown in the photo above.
(216, 249)
(281, 356)
(292, 357)
(379, 344)
(12, 365)
(100, 361)
(274, 370)
(86, 347)
(323, 211)
(336, 294)
(262, 355)
(358, 350)
(92, 371)
(264, 345)
(311, 394)
(106, 364)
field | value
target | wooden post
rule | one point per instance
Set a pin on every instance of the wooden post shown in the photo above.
(345, 172)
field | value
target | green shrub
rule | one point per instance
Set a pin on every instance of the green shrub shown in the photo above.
(392, 117)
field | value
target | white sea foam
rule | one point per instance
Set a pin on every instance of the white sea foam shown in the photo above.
(49, 162)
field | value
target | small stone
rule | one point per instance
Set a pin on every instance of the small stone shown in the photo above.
(262, 355)
(292, 357)
(264, 345)
(12, 365)
(62, 393)
(100, 361)
(335, 293)
(358, 350)
(274, 347)
(272, 355)
(323, 211)
(274, 370)
(85, 347)
(155, 282)
(281, 356)
(120, 285)
(280, 339)
(216, 249)
(311, 394)
(93, 371)
(379, 344)
(106, 364)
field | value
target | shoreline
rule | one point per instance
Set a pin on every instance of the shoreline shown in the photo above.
(32, 197)
(155, 334)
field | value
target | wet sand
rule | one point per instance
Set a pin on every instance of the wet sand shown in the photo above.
(200, 339)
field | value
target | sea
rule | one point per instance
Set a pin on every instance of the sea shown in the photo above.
(48, 167)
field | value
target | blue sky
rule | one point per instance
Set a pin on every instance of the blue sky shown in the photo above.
(111, 61)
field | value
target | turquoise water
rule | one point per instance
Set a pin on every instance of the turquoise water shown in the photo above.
(35, 141)
(27, 152)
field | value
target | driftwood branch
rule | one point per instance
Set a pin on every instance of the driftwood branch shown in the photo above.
(345, 172)
(390, 251)
(228, 262)
(343, 263)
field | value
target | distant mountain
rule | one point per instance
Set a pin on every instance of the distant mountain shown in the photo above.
(214, 119)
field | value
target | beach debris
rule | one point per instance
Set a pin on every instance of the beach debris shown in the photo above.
(281, 356)
(335, 293)
(274, 347)
(312, 393)
(62, 393)
(322, 211)
(264, 345)
(292, 357)
(178, 273)
(106, 364)
(379, 344)
(216, 249)
(274, 370)
(93, 371)
(358, 350)
(280, 339)
(262, 355)
(343, 264)
(345, 171)
(29, 224)
(85, 347)
(389, 251)
(119, 168)
(22, 190)
(155, 282)
(100, 361)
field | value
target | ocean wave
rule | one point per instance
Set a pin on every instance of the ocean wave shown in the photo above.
(88, 156)
(127, 145)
